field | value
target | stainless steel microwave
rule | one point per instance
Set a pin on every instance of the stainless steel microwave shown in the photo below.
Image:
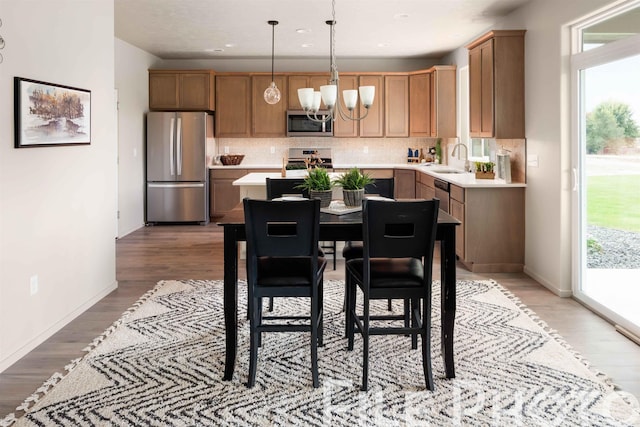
(298, 124)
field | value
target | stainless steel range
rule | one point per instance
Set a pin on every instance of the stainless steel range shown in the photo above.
(300, 158)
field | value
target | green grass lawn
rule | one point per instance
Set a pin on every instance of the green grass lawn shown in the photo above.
(614, 202)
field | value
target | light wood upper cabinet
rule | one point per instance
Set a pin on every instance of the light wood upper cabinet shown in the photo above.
(420, 104)
(346, 128)
(432, 102)
(233, 106)
(268, 121)
(296, 82)
(189, 90)
(373, 124)
(396, 91)
(496, 85)
(443, 101)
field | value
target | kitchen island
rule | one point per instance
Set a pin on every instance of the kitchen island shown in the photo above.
(491, 235)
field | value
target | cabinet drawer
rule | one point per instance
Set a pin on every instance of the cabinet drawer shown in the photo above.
(456, 193)
(426, 179)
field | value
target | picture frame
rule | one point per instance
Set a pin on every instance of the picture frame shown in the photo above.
(49, 114)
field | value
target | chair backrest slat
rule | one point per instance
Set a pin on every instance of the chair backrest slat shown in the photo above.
(279, 187)
(399, 229)
(276, 228)
(383, 187)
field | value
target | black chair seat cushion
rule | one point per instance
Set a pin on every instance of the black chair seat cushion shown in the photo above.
(352, 250)
(390, 272)
(287, 271)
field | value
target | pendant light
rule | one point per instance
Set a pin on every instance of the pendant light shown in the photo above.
(272, 93)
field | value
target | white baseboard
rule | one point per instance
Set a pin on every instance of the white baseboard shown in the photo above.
(40, 338)
(564, 293)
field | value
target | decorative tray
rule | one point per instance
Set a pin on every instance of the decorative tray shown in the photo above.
(337, 207)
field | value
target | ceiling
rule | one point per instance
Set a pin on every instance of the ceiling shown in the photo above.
(210, 29)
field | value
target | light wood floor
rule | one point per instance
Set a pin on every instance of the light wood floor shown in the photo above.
(195, 252)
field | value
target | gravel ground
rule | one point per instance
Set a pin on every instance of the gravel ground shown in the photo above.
(612, 248)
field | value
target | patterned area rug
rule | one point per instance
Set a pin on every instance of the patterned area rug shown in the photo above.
(162, 364)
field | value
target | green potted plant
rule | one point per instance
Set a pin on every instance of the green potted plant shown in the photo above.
(484, 170)
(319, 185)
(353, 183)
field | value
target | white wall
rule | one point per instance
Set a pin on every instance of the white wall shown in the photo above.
(548, 132)
(132, 76)
(57, 204)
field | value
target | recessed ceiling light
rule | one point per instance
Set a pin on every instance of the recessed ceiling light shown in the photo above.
(307, 45)
(303, 30)
(384, 44)
(401, 15)
(215, 49)
(230, 45)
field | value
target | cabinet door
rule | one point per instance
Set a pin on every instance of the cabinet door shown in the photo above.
(420, 104)
(223, 195)
(405, 184)
(269, 121)
(346, 128)
(481, 90)
(195, 91)
(163, 91)
(233, 111)
(443, 102)
(457, 211)
(396, 91)
(373, 124)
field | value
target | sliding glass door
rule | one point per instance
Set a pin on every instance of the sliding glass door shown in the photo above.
(607, 174)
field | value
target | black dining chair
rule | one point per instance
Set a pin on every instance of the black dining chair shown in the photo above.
(398, 238)
(283, 261)
(279, 187)
(383, 187)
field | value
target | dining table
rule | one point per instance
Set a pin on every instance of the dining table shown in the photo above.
(339, 228)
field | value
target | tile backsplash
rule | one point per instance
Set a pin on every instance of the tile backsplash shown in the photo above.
(270, 151)
(267, 151)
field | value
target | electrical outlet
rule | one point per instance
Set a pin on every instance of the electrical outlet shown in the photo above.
(273, 150)
(533, 161)
(366, 149)
(33, 284)
(226, 149)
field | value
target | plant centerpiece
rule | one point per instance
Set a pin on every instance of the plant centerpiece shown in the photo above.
(353, 183)
(484, 170)
(319, 185)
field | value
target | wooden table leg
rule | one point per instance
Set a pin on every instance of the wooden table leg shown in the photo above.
(230, 299)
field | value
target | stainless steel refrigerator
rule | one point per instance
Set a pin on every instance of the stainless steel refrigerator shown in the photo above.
(177, 173)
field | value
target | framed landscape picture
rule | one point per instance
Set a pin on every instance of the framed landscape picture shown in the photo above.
(48, 114)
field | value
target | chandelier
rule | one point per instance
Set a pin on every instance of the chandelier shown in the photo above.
(310, 98)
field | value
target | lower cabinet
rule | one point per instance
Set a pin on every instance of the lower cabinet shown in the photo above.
(491, 235)
(456, 210)
(405, 183)
(223, 195)
(425, 189)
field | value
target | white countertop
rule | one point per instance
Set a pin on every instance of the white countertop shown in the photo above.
(464, 180)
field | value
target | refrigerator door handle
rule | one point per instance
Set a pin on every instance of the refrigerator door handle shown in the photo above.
(179, 146)
(171, 145)
(172, 185)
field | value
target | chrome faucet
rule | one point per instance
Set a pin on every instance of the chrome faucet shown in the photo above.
(466, 154)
